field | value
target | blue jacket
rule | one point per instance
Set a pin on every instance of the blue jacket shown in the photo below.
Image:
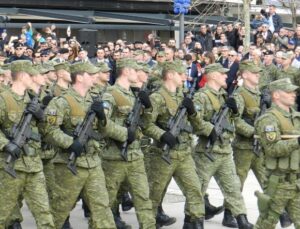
(277, 22)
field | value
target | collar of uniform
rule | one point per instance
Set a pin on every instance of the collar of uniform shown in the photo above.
(124, 90)
(17, 97)
(77, 96)
(284, 112)
(253, 91)
(217, 93)
(170, 93)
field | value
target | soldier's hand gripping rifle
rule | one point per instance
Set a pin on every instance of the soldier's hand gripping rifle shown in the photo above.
(220, 123)
(83, 133)
(265, 103)
(19, 136)
(177, 123)
(133, 120)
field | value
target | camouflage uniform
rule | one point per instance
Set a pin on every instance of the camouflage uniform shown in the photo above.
(207, 102)
(248, 101)
(182, 168)
(269, 74)
(119, 102)
(282, 162)
(30, 181)
(68, 111)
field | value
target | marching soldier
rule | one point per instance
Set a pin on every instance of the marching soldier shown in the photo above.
(30, 180)
(209, 102)
(63, 115)
(278, 131)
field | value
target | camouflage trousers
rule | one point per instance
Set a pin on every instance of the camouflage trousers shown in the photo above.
(184, 172)
(245, 160)
(132, 172)
(286, 197)
(224, 171)
(89, 182)
(32, 187)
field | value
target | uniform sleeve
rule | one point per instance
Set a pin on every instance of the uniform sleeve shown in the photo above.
(268, 130)
(241, 126)
(3, 139)
(56, 111)
(200, 126)
(112, 129)
(150, 116)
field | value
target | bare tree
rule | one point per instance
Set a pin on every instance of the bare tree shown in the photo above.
(246, 15)
(292, 5)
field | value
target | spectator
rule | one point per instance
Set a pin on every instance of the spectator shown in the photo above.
(208, 58)
(224, 56)
(280, 39)
(172, 43)
(148, 59)
(205, 38)
(258, 21)
(233, 67)
(188, 43)
(19, 53)
(297, 37)
(296, 61)
(231, 35)
(169, 54)
(259, 41)
(274, 19)
(192, 72)
(266, 33)
(180, 54)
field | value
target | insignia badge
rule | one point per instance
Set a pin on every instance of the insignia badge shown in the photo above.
(51, 119)
(271, 136)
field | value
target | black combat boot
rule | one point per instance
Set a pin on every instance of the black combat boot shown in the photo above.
(86, 210)
(285, 220)
(198, 224)
(162, 219)
(67, 224)
(127, 203)
(120, 224)
(187, 222)
(15, 225)
(229, 220)
(192, 224)
(243, 222)
(210, 210)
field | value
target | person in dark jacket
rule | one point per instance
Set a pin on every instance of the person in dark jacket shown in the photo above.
(275, 21)
(205, 38)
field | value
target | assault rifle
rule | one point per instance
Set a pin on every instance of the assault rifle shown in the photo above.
(220, 123)
(177, 123)
(83, 133)
(263, 107)
(133, 120)
(20, 134)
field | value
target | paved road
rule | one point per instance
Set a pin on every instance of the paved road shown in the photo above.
(173, 205)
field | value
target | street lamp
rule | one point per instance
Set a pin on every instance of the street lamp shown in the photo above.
(181, 7)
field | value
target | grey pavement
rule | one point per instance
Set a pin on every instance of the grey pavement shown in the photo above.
(173, 205)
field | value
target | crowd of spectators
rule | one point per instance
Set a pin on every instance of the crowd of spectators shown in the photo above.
(222, 43)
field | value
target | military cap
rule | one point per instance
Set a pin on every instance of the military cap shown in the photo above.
(127, 62)
(217, 67)
(287, 55)
(103, 67)
(6, 66)
(138, 52)
(161, 53)
(63, 66)
(144, 67)
(49, 66)
(40, 68)
(284, 84)
(84, 67)
(23, 66)
(176, 66)
(249, 65)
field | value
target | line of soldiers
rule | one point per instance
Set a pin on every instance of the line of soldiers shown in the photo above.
(66, 134)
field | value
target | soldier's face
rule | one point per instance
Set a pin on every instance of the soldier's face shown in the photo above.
(252, 78)
(142, 76)
(132, 76)
(52, 76)
(89, 80)
(221, 79)
(104, 76)
(287, 98)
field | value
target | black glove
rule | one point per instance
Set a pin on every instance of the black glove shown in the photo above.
(266, 99)
(231, 104)
(76, 148)
(97, 107)
(130, 135)
(47, 99)
(168, 139)
(189, 105)
(144, 97)
(213, 136)
(13, 150)
(36, 110)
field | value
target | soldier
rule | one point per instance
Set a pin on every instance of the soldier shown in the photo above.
(63, 78)
(248, 100)
(3, 85)
(118, 103)
(165, 102)
(278, 132)
(30, 181)
(208, 102)
(270, 70)
(63, 115)
(287, 70)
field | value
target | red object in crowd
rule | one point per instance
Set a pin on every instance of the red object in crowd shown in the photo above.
(203, 79)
